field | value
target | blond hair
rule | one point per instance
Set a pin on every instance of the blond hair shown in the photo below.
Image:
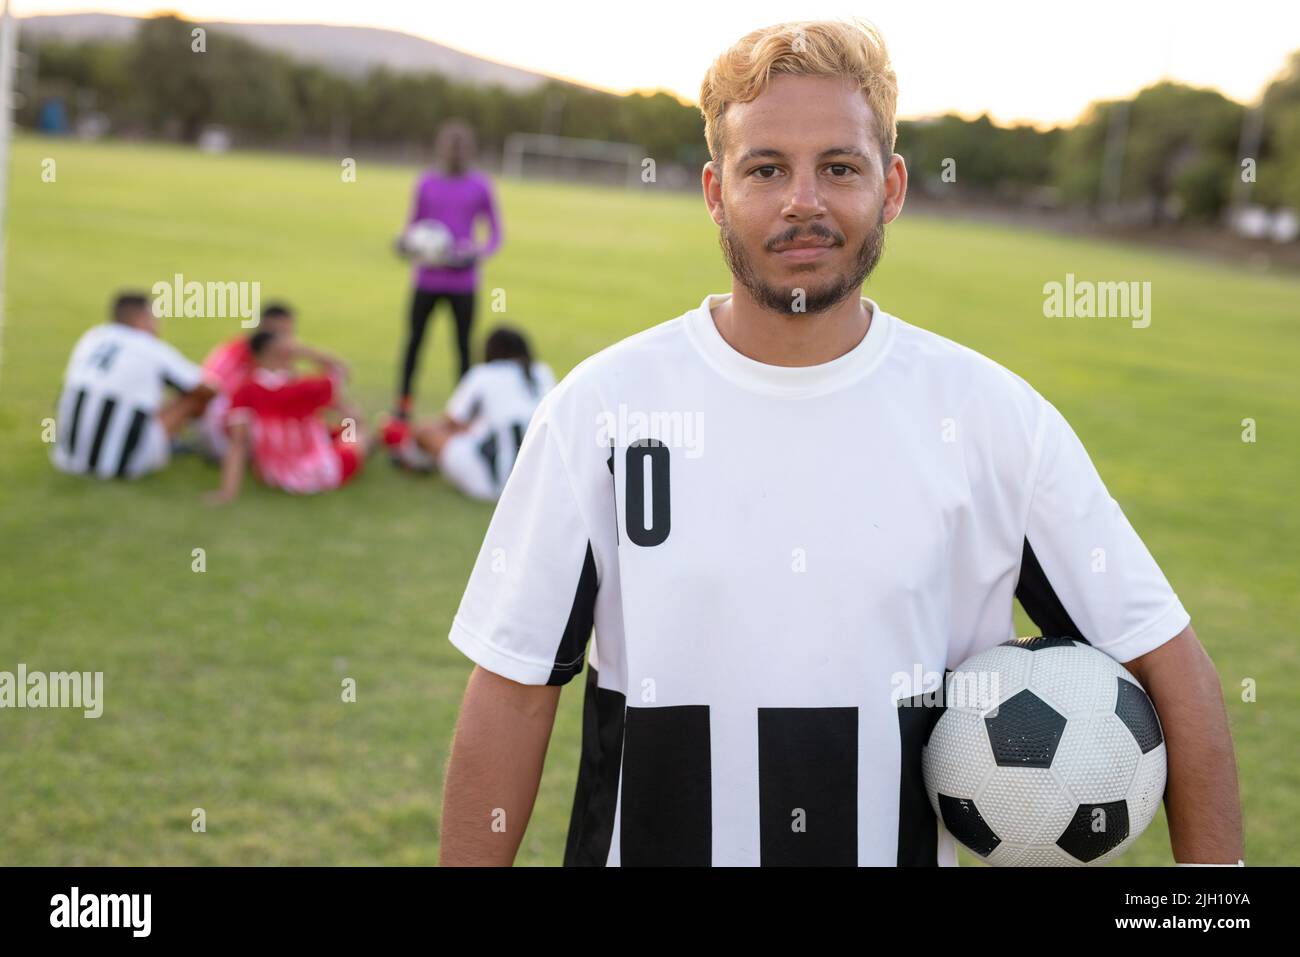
(851, 49)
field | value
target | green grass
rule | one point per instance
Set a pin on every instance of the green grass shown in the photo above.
(222, 689)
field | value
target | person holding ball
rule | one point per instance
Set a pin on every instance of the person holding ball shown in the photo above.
(453, 194)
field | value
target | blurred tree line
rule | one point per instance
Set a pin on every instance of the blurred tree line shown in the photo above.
(1172, 150)
(156, 85)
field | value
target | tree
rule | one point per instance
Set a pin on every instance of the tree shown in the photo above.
(170, 79)
(1278, 182)
(1178, 139)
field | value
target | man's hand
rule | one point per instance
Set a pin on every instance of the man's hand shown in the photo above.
(462, 257)
(1201, 798)
(452, 425)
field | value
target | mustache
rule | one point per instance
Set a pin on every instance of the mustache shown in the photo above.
(777, 299)
(816, 230)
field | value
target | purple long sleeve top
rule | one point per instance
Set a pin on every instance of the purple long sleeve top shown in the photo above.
(458, 202)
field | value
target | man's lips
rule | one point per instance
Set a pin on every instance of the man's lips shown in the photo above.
(804, 251)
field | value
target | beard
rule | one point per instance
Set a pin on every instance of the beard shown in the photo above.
(816, 299)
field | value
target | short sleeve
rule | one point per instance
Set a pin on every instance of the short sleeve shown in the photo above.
(1085, 573)
(176, 370)
(528, 610)
(302, 397)
(239, 406)
(463, 404)
(294, 400)
(228, 363)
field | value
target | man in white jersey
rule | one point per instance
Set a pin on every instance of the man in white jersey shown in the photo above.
(771, 507)
(112, 420)
(475, 441)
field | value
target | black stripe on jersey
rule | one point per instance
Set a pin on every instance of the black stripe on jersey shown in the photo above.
(138, 418)
(808, 786)
(573, 643)
(613, 484)
(101, 428)
(665, 817)
(71, 434)
(918, 828)
(488, 450)
(1039, 599)
(591, 825)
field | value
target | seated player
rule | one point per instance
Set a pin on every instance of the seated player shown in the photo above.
(112, 420)
(231, 362)
(474, 443)
(277, 422)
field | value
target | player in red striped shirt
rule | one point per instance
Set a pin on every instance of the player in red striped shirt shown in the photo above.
(230, 363)
(277, 421)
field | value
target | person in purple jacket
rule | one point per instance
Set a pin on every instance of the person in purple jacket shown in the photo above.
(459, 197)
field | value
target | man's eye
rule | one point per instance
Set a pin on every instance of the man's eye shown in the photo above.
(761, 168)
(848, 169)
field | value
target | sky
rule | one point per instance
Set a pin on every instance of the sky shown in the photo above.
(1020, 61)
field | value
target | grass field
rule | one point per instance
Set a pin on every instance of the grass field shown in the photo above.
(222, 689)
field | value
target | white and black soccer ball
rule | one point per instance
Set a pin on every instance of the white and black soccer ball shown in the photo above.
(1048, 752)
(427, 242)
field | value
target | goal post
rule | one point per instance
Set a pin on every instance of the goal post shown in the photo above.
(542, 155)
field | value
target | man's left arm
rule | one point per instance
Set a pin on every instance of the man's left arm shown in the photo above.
(1087, 574)
(1201, 797)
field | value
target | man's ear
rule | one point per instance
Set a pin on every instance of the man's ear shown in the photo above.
(895, 188)
(711, 184)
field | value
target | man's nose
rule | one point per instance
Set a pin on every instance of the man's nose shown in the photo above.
(805, 193)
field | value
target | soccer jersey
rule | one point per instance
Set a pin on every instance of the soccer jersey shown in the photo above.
(230, 363)
(775, 560)
(498, 402)
(458, 202)
(292, 447)
(112, 390)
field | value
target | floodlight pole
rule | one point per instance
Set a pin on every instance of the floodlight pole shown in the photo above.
(1112, 169)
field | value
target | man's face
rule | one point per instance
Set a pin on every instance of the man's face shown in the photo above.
(278, 353)
(454, 148)
(280, 324)
(802, 165)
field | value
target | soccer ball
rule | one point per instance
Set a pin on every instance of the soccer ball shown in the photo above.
(428, 242)
(1047, 752)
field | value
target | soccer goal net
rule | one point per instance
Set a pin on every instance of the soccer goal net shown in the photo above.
(542, 156)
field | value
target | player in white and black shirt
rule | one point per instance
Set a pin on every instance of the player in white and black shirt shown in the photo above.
(475, 441)
(112, 420)
(776, 509)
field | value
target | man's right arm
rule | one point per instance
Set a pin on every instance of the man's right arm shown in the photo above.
(494, 770)
(525, 620)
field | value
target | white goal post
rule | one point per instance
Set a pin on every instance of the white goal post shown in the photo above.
(565, 157)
